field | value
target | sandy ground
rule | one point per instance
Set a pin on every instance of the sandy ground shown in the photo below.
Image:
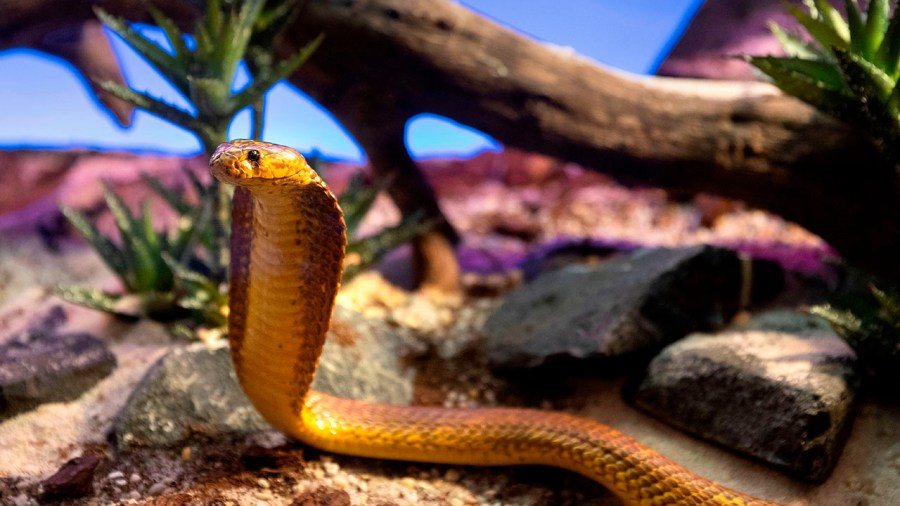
(217, 470)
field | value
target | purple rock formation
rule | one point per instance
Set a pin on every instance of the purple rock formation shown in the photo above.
(725, 29)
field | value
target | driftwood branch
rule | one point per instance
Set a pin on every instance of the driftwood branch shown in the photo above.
(384, 61)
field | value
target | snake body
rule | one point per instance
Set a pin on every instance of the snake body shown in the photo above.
(288, 239)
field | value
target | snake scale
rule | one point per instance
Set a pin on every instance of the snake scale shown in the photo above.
(288, 240)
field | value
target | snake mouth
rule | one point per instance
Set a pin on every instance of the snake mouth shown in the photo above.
(228, 168)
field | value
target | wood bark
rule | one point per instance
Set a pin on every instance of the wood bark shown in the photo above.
(384, 61)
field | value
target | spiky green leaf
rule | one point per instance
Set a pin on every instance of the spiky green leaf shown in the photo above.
(94, 299)
(255, 90)
(836, 103)
(138, 253)
(111, 254)
(183, 56)
(890, 305)
(831, 17)
(823, 32)
(863, 78)
(184, 274)
(888, 52)
(173, 198)
(152, 104)
(795, 46)
(845, 322)
(239, 26)
(162, 61)
(876, 25)
(825, 74)
(357, 199)
(368, 250)
(857, 27)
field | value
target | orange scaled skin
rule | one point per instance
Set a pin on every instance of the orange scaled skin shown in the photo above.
(288, 240)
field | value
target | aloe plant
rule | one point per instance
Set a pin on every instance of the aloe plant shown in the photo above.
(228, 33)
(162, 273)
(850, 69)
(154, 266)
(869, 320)
(182, 273)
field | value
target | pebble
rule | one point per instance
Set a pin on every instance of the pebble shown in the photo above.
(115, 475)
(456, 501)
(452, 475)
(134, 478)
(120, 482)
(331, 468)
(156, 488)
(262, 482)
(134, 495)
(341, 482)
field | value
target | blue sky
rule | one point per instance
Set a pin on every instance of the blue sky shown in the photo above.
(45, 103)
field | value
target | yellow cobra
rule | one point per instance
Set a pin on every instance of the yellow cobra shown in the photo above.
(287, 249)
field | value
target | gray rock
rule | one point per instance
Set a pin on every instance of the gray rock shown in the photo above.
(780, 388)
(195, 388)
(628, 306)
(39, 365)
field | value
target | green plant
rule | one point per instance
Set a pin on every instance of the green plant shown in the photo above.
(362, 252)
(182, 273)
(228, 33)
(868, 318)
(162, 274)
(849, 71)
(154, 267)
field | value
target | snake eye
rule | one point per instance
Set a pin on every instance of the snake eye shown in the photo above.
(253, 155)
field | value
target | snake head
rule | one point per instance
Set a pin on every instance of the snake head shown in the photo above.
(247, 162)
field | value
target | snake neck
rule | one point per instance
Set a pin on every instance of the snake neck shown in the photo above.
(291, 236)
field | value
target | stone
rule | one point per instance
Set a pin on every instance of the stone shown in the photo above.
(323, 496)
(630, 306)
(74, 479)
(195, 388)
(780, 387)
(39, 365)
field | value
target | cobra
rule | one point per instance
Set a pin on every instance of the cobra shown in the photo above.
(287, 250)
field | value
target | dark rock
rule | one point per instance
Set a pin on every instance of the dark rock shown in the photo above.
(257, 458)
(73, 480)
(37, 365)
(625, 307)
(780, 388)
(195, 388)
(323, 496)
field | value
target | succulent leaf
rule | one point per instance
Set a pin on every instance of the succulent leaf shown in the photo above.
(823, 32)
(151, 104)
(825, 74)
(831, 17)
(857, 27)
(876, 25)
(267, 79)
(864, 78)
(163, 62)
(889, 51)
(111, 254)
(795, 46)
